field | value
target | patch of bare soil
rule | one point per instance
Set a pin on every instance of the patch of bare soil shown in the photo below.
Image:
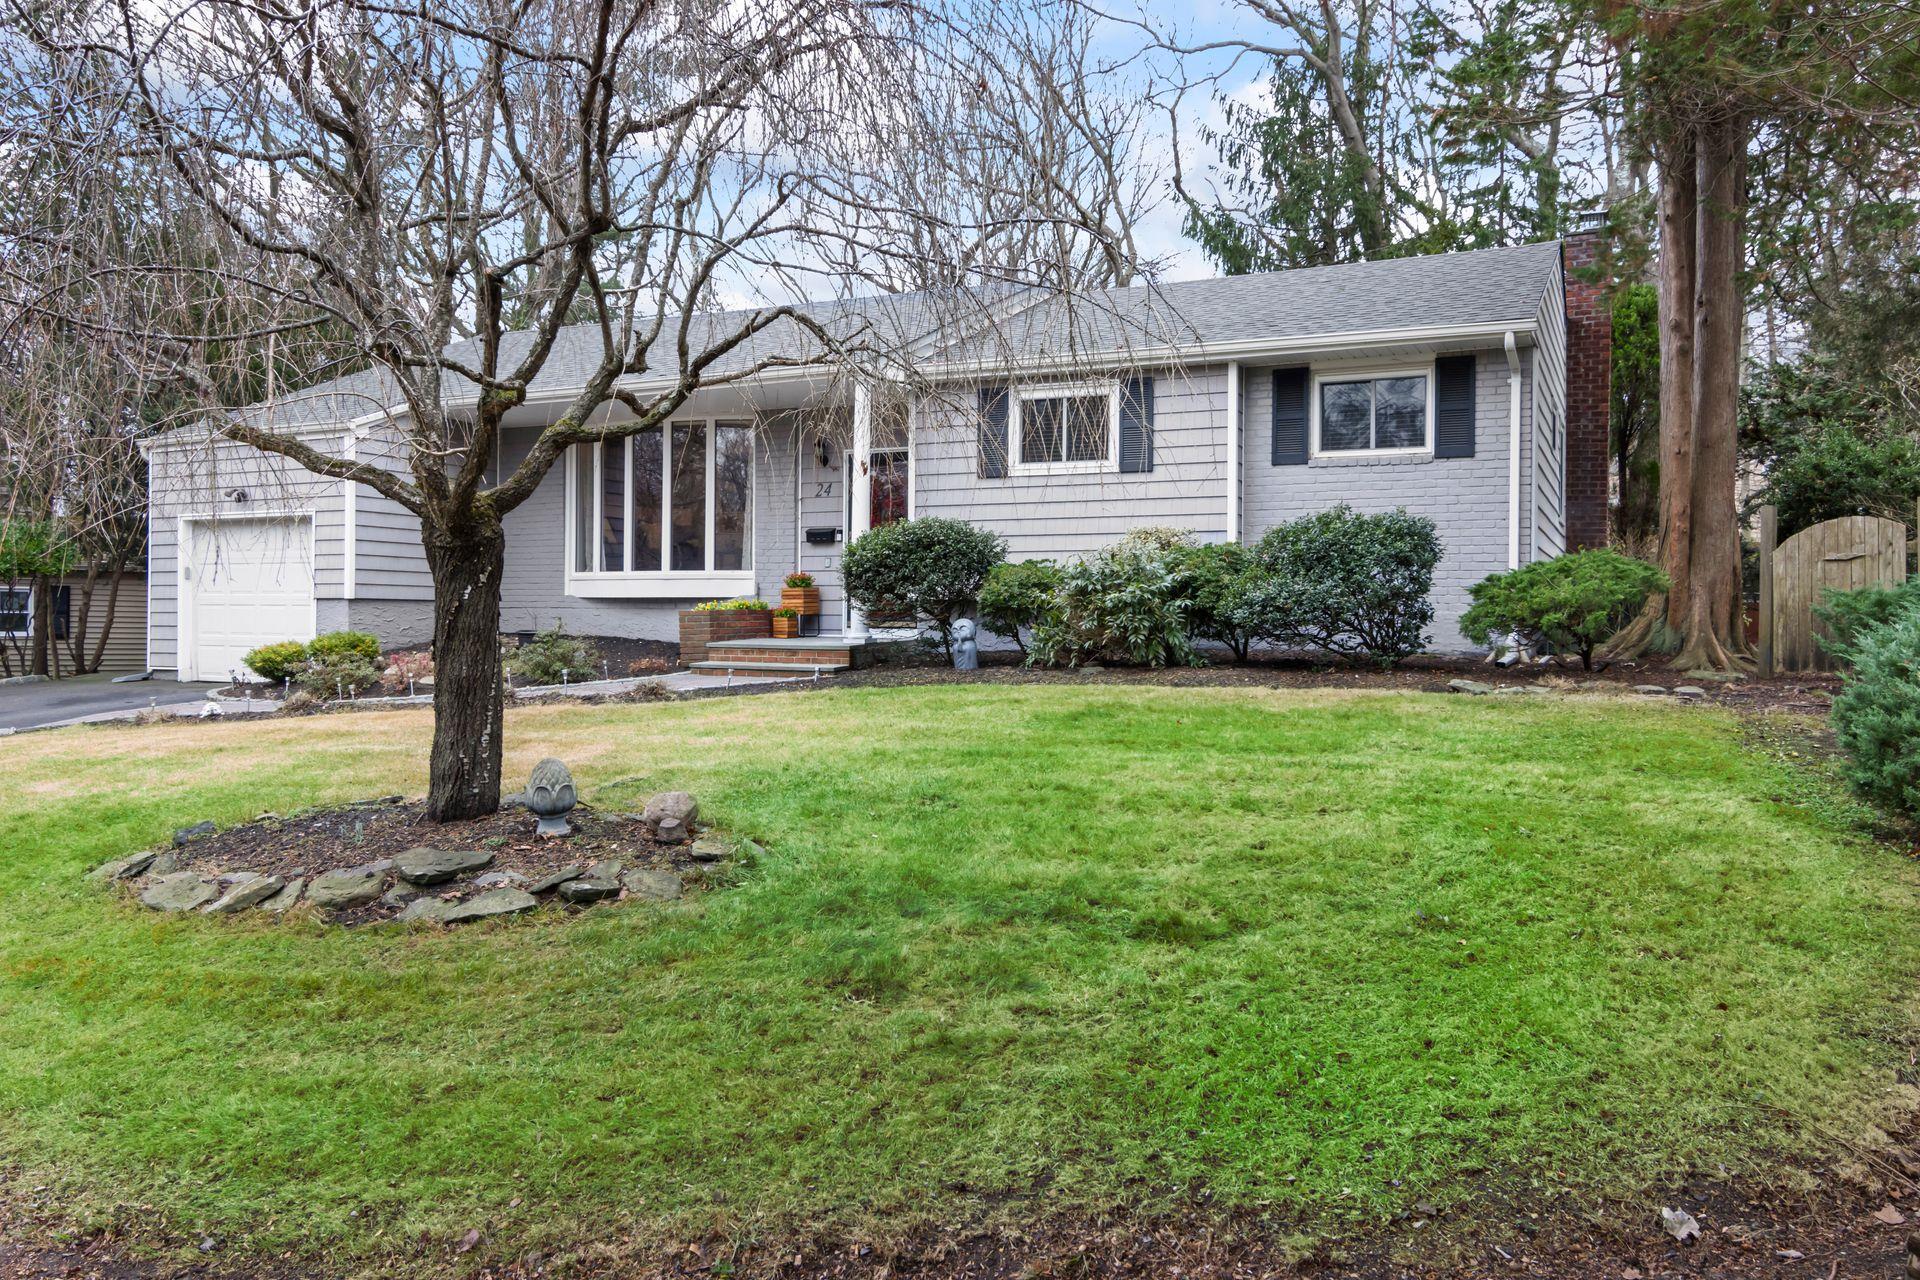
(317, 841)
(1848, 1227)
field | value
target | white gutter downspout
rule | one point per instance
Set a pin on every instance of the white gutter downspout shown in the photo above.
(1233, 451)
(1513, 452)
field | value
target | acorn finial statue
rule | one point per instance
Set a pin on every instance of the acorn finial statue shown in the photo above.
(550, 797)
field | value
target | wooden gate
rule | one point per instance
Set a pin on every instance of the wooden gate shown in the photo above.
(1839, 555)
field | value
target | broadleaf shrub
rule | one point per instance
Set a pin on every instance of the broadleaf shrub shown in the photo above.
(1347, 583)
(930, 569)
(343, 674)
(1220, 583)
(555, 655)
(1876, 716)
(277, 661)
(1017, 597)
(1850, 615)
(1573, 602)
(341, 644)
(407, 670)
(1121, 604)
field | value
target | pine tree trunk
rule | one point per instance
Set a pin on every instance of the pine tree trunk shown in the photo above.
(42, 650)
(1709, 623)
(468, 702)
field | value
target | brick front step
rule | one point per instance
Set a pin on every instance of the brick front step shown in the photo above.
(744, 652)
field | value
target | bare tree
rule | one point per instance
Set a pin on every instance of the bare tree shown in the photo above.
(428, 198)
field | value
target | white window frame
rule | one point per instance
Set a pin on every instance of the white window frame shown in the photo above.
(29, 593)
(658, 583)
(1369, 373)
(1019, 466)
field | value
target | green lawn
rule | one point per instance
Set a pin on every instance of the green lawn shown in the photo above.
(1319, 954)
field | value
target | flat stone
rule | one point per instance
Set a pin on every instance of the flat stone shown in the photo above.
(707, 849)
(1469, 686)
(398, 896)
(500, 880)
(1689, 691)
(671, 815)
(1649, 688)
(496, 902)
(194, 832)
(165, 863)
(248, 893)
(342, 890)
(181, 891)
(606, 869)
(432, 910)
(287, 896)
(655, 886)
(587, 889)
(437, 866)
(123, 868)
(554, 880)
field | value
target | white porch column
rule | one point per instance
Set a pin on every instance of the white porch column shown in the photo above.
(861, 497)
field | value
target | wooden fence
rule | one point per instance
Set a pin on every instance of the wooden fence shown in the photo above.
(1837, 555)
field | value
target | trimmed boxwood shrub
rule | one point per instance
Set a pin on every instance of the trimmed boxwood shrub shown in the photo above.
(1574, 602)
(930, 569)
(1347, 583)
(277, 661)
(340, 644)
(1876, 717)
(1849, 615)
(1016, 598)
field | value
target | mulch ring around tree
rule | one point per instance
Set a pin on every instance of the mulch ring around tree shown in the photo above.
(385, 860)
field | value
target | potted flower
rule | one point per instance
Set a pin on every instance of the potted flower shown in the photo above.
(786, 623)
(800, 594)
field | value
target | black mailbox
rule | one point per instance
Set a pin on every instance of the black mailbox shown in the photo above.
(822, 537)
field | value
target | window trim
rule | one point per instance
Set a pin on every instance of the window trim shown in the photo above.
(1367, 373)
(27, 613)
(660, 583)
(1017, 465)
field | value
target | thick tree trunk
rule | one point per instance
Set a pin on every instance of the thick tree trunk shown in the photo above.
(1679, 207)
(464, 775)
(1709, 625)
(42, 650)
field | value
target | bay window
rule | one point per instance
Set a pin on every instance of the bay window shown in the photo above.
(662, 512)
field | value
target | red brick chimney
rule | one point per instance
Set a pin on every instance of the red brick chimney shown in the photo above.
(1589, 380)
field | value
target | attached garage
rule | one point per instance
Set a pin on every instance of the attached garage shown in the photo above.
(244, 582)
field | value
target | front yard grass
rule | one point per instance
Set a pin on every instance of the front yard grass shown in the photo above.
(1011, 950)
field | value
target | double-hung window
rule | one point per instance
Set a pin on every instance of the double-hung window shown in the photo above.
(1064, 429)
(16, 611)
(663, 512)
(1378, 413)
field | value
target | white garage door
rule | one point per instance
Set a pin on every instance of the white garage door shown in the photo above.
(250, 582)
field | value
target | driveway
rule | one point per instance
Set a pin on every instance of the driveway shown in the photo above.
(40, 703)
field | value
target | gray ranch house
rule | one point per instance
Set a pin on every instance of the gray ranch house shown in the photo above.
(1468, 387)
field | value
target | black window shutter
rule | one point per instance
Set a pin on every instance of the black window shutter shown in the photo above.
(62, 611)
(993, 432)
(1136, 425)
(1453, 407)
(1289, 417)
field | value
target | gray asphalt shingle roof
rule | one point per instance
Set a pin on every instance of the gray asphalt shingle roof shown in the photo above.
(1482, 287)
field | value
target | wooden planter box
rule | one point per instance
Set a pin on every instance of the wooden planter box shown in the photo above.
(804, 601)
(785, 628)
(702, 627)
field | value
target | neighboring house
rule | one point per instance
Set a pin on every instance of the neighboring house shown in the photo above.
(125, 626)
(1471, 388)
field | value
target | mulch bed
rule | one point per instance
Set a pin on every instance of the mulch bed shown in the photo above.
(335, 839)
